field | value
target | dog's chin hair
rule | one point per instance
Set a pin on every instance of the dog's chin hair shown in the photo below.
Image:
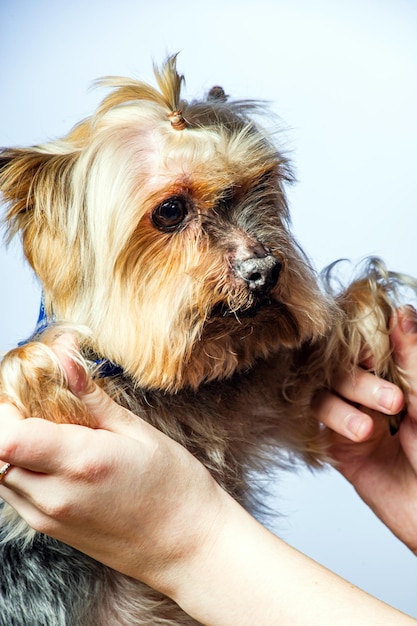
(233, 344)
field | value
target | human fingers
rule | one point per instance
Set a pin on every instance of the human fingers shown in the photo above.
(8, 412)
(342, 417)
(39, 445)
(365, 389)
(39, 453)
(21, 504)
(81, 483)
(339, 410)
(9, 415)
(108, 414)
(52, 464)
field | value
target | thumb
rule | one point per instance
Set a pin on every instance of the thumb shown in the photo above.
(108, 415)
(404, 342)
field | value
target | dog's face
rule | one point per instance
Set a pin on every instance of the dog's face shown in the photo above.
(166, 233)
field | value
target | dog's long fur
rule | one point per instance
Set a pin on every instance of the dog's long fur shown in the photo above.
(162, 227)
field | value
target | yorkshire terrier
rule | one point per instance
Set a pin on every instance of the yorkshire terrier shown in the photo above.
(159, 229)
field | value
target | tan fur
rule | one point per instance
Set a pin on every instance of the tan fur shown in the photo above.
(206, 359)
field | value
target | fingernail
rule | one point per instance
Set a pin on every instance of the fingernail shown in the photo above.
(385, 397)
(356, 425)
(408, 321)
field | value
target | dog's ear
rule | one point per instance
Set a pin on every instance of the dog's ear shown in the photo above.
(30, 179)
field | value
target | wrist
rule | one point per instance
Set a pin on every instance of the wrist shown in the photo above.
(226, 577)
(240, 573)
(183, 539)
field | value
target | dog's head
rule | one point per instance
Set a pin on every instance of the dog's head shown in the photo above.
(162, 225)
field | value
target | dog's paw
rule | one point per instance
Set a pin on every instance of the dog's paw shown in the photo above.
(369, 305)
(33, 379)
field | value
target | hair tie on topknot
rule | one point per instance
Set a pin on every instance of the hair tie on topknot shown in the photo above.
(177, 120)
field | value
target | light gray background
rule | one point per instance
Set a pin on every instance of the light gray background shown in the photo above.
(342, 76)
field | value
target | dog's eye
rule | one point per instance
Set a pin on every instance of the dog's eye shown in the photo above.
(170, 213)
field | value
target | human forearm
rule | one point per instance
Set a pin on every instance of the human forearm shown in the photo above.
(245, 575)
(193, 542)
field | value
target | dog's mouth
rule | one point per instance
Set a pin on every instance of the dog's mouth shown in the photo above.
(259, 312)
(249, 310)
(232, 340)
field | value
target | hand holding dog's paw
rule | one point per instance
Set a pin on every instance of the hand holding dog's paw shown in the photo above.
(106, 489)
(382, 468)
(103, 411)
(32, 378)
(340, 411)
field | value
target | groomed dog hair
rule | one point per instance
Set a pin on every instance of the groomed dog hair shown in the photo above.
(160, 232)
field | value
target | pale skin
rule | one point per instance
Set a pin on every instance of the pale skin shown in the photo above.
(133, 499)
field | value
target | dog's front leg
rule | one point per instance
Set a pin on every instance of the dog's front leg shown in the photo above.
(33, 379)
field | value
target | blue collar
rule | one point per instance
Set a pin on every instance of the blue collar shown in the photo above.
(41, 325)
(105, 367)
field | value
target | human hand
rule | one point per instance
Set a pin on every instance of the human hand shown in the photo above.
(135, 500)
(123, 492)
(382, 468)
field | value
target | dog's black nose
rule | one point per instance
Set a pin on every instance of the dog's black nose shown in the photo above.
(260, 273)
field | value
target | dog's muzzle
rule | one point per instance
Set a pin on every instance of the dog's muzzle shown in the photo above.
(259, 273)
